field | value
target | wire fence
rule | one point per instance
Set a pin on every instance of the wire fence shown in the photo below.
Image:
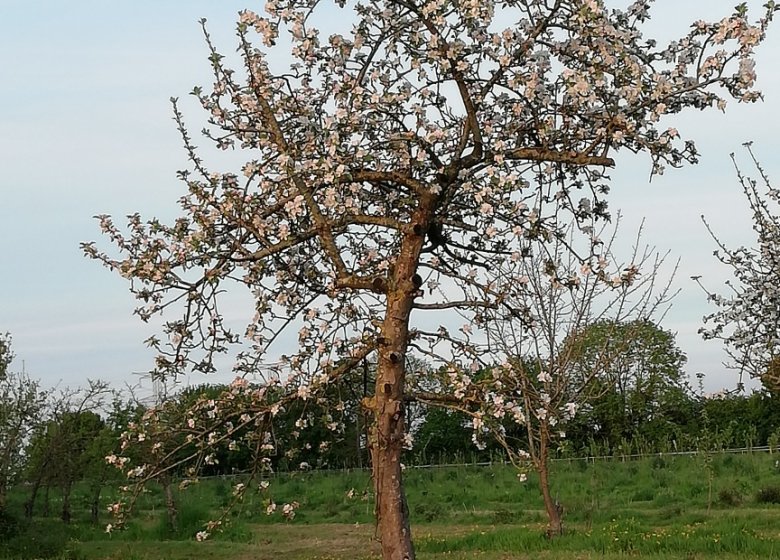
(586, 458)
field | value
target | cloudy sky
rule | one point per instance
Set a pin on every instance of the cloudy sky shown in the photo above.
(85, 128)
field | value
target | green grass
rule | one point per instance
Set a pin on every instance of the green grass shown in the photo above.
(619, 536)
(654, 508)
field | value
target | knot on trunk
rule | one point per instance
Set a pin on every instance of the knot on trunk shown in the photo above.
(379, 285)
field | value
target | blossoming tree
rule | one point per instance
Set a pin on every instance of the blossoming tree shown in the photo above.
(748, 320)
(420, 147)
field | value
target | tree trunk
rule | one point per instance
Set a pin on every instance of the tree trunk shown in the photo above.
(65, 515)
(392, 511)
(29, 505)
(553, 508)
(388, 434)
(358, 451)
(170, 504)
(95, 505)
(46, 501)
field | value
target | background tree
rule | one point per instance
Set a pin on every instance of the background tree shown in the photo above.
(21, 402)
(98, 472)
(642, 388)
(73, 432)
(740, 420)
(69, 444)
(38, 467)
(76, 431)
(443, 436)
(427, 142)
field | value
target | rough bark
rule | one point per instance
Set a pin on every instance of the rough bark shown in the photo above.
(388, 406)
(391, 509)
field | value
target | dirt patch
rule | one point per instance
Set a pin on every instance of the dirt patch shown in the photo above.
(327, 541)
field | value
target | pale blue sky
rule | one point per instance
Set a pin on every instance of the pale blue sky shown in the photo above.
(85, 128)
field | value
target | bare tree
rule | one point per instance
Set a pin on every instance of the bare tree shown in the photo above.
(418, 145)
(531, 372)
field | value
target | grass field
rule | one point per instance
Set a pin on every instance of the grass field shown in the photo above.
(662, 508)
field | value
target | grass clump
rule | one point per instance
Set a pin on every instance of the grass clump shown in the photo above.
(768, 495)
(729, 497)
(38, 539)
